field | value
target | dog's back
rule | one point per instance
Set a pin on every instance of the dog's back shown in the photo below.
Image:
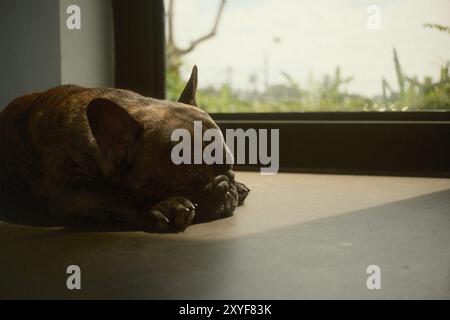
(45, 138)
(38, 133)
(18, 160)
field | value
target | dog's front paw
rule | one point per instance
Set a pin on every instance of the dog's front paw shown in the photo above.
(242, 191)
(172, 214)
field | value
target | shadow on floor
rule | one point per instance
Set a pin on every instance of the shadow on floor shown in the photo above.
(325, 258)
(27, 216)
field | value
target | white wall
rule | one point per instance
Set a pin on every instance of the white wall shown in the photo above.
(87, 55)
(29, 47)
(38, 52)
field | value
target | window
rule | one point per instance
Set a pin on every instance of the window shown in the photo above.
(311, 56)
(352, 86)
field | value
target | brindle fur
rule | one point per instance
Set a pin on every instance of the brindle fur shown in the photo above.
(104, 154)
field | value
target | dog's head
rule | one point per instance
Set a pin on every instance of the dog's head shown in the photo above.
(135, 138)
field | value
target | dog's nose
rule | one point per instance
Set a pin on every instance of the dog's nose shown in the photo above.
(218, 180)
(221, 178)
(222, 186)
(230, 174)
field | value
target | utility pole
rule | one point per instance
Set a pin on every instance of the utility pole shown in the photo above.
(230, 76)
(266, 70)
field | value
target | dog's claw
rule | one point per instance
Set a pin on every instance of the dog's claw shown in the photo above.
(172, 214)
(159, 221)
(243, 191)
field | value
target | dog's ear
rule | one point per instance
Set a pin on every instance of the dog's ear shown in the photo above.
(188, 94)
(114, 129)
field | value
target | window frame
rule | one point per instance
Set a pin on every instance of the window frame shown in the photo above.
(372, 143)
(392, 143)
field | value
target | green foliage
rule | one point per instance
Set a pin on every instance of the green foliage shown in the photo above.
(174, 85)
(418, 95)
(399, 73)
(326, 95)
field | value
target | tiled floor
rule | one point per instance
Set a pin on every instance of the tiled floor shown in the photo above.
(298, 236)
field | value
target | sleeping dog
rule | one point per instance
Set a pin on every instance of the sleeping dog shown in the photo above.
(104, 155)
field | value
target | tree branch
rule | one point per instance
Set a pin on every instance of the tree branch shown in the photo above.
(436, 26)
(207, 36)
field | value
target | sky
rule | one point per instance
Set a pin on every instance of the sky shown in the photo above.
(314, 37)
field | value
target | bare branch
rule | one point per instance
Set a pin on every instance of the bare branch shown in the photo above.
(207, 36)
(438, 27)
(170, 23)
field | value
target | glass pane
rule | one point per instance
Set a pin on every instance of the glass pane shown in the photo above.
(296, 55)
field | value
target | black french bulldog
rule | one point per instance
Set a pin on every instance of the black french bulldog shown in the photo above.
(104, 154)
